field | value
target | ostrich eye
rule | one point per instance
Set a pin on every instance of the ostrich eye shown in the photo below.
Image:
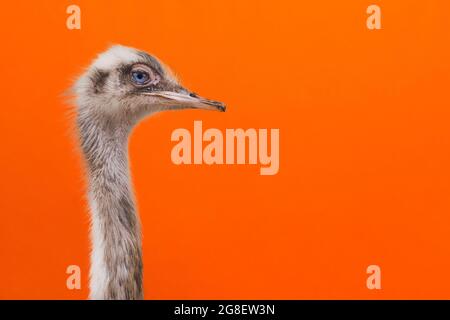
(140, 77)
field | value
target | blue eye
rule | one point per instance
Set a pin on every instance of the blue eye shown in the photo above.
(140, 77)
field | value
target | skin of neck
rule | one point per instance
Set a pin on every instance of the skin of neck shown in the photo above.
(116, 257)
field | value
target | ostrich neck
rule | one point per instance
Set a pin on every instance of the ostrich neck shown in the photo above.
(116, 258)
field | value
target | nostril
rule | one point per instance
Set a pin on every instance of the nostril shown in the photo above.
(193, 95)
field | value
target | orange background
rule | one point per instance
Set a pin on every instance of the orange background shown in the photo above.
(364, 148)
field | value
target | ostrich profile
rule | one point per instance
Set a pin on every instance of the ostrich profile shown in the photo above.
(121, 87)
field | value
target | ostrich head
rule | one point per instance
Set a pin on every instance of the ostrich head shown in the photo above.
(123, 85)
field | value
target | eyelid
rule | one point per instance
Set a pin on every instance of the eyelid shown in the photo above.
(141, 67)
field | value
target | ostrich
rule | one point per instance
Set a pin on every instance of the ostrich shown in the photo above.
(121, 87)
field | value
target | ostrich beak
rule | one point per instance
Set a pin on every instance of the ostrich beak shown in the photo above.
(190, 100)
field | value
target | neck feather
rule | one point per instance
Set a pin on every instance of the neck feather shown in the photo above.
(116, 258)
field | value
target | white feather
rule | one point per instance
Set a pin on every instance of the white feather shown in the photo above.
(114, 56)
(98, 272)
